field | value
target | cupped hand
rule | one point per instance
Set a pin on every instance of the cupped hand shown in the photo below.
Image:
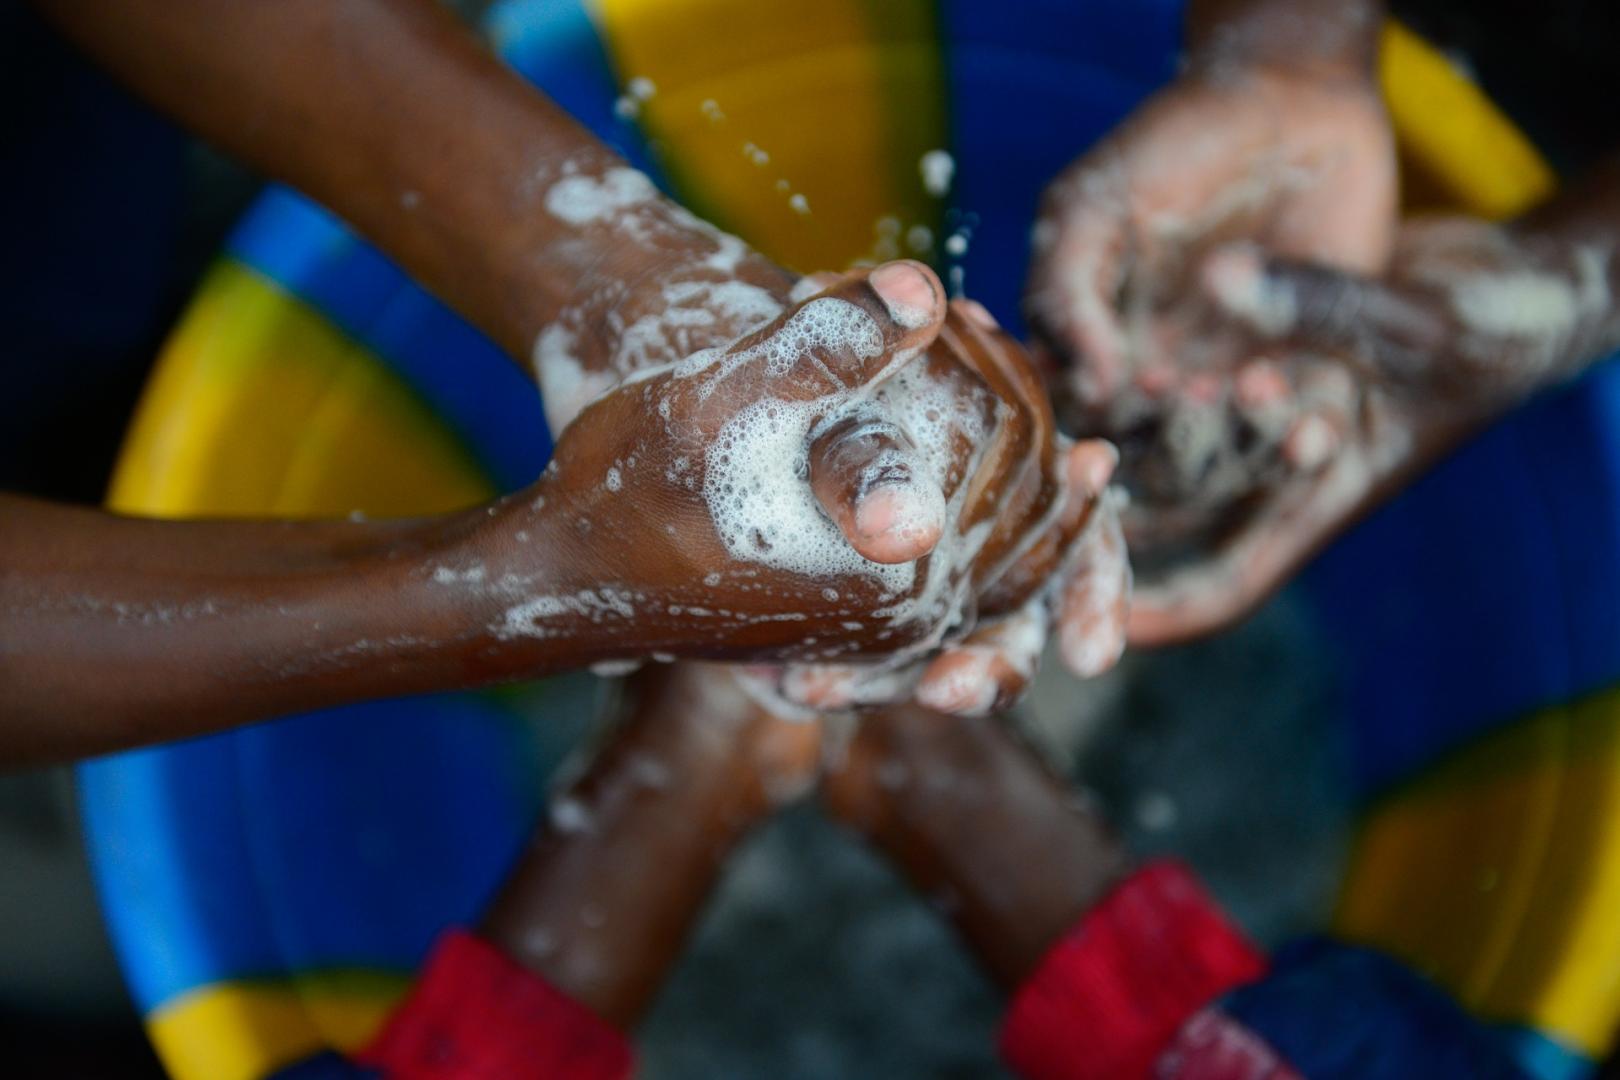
(1300, 165)
(1470, 318)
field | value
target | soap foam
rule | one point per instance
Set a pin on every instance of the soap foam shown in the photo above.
(566, 386)
(762, 507)
(583, 200)
(765, 512)
(825, 324)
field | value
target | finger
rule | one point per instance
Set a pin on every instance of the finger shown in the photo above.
(848, 337)
(990, 669)
(1312, 441)
(1306, 306)
(1264, 399)
(1026, 490)
(867, 475)
(1096, 597)
(835, 687)
(1080, 248)
(1275, 542)
(1007, 484)
(1086, 468)
(823, 687)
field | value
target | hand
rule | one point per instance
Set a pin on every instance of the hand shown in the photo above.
(777, 497)
(1302, 165)
(1297, 162)
(1055, 553)
(1471, 318)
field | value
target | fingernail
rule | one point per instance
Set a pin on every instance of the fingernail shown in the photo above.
(1312, 443)
(804, 289)
(1261, 383)
(900, 522)
(965, 688)
(907, 290)
(1089, 651)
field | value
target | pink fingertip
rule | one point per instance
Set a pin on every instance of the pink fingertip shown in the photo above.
(897, 523)
(909, 290)
(819, 688)
(1156, 380)
(1260, 384)
(1203, 388)
(959, 684)
(978, 313)
(1312, 443)
(1091, 465)
(1088, 651)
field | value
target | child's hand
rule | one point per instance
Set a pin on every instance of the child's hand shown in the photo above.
(1390, 373)
(844, 483)
(1054, 554)
(1298, 163)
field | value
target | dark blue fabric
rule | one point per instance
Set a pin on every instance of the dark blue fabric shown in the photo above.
(1342, 1013)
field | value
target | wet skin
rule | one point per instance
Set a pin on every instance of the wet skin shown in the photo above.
(972, 818)
(117, 631)
(1234, 301)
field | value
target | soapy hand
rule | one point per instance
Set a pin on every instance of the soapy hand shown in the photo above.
(860, 477)
(1471, 318)
(1298, 164)
(1055, 555)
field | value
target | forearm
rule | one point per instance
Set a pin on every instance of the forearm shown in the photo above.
(1575, 239)
(976, 821)
(607, 893)
(1328, 37)
(396, 117)
(118, 631)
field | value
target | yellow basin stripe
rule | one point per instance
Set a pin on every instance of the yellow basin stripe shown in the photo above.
(736, 85)
(248, 1030)
(261, 406)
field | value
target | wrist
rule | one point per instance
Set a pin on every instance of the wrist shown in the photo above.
(1324, 40)
(520, 586)
(645, 258)
(680, 287)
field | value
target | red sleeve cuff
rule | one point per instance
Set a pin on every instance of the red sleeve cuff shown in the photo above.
(475, 1015)
(1113, 992)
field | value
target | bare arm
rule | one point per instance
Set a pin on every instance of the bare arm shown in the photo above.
(977, 822)
(142, 630)
(1325, 36)
(119, 631)
(1470, 319)
(395, 116)
(609, 889)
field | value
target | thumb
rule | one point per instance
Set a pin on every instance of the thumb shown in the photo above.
(1396, 331)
